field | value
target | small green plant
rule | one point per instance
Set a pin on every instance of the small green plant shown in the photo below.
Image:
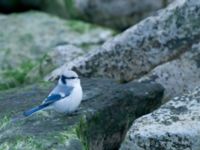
(28, 143)
(4, 121)
(78, 26)
(70, 7)
(81, 133)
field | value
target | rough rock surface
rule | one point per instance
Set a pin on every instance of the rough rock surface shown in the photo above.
(153, 41)
(118, 14)
(178, 76)
(100, 123)
(174, 126)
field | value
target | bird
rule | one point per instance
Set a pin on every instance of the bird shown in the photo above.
(64, 98)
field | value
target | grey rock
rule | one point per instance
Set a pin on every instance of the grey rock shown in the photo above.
(100, 123)
(64, 53)
(178, 76)
(174, 126)
(55, 58)
(25, 38)
(153, 41)
(118, 14)
(33, 34)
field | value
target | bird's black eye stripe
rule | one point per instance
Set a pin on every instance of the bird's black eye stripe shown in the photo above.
(64, 77)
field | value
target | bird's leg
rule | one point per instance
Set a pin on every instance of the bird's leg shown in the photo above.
(75, 113)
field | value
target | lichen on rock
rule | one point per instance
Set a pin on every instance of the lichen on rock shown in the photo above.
(174, 126)
(179, 75)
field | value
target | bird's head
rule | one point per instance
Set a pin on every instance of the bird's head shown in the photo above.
(69, 77)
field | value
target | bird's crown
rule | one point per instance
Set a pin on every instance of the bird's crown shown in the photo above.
(69, 74)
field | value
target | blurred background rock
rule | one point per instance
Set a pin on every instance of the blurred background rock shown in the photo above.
(118, 14)
(32, 31)
(27, 38)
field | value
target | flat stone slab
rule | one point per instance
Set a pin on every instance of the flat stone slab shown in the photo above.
(174, 126)
(107, 110)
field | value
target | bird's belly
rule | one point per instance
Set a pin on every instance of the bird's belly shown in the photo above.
(68, 104)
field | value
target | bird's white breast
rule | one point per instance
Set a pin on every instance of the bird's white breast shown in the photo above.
(70, 103)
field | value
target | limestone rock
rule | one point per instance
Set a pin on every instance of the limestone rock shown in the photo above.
(154, 41)
(100, 123)
(178, 76)
(174, 126)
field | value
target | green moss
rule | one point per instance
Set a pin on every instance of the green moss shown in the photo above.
(25, 142)
(83, 27)
(63, 137)
(4, 122)
(78, 26)
(80, 131)
(86, 129)
(16, 76)
(51, 141)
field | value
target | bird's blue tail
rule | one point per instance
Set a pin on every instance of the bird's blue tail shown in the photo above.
(35, 109)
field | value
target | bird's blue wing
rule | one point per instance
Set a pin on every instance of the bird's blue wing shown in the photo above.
(59, 92)
(52, 98)
(35, 109)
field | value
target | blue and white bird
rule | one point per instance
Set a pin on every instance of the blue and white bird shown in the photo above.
(65, 97)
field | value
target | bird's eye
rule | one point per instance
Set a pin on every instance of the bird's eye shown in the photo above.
(72, 77)
(68, 78)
